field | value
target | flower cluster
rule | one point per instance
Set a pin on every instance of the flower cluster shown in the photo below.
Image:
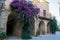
(23, 7)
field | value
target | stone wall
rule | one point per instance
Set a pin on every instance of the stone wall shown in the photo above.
(6, 13)
(37, 22)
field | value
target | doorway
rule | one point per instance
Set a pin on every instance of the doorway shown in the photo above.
(10, 25)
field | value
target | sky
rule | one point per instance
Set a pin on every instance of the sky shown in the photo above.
(54, 9)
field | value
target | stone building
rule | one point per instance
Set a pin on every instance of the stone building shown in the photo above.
(2, 4)
(43, 22)
(59, 7)
(10, 25)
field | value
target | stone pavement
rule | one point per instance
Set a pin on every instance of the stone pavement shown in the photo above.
(42, 37)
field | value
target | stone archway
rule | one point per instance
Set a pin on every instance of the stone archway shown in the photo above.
(48, 28)
(32, 24)
(42, 27)
(14, 28)
(10, 25)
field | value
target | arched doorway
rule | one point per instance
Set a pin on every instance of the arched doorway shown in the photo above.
(14, 28)
(48, 28)
(10, 25)
(42, 27)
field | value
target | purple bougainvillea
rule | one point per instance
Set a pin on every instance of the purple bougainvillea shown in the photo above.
(24, 7)
(24, 11)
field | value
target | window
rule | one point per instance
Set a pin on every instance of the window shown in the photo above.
(44, 13)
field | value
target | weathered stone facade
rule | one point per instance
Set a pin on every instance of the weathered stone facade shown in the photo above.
(41, 23)
(43, 20)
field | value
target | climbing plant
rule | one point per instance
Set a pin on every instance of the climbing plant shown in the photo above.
(2, 35)
(23, 10)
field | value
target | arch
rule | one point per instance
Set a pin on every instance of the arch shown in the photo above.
(32, 24)
(13, 27)
(10, 24)
(48, 28)
(42, 27)
(15, 30)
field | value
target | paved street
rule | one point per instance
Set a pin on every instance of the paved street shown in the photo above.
(43, 37)
(49, 37)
